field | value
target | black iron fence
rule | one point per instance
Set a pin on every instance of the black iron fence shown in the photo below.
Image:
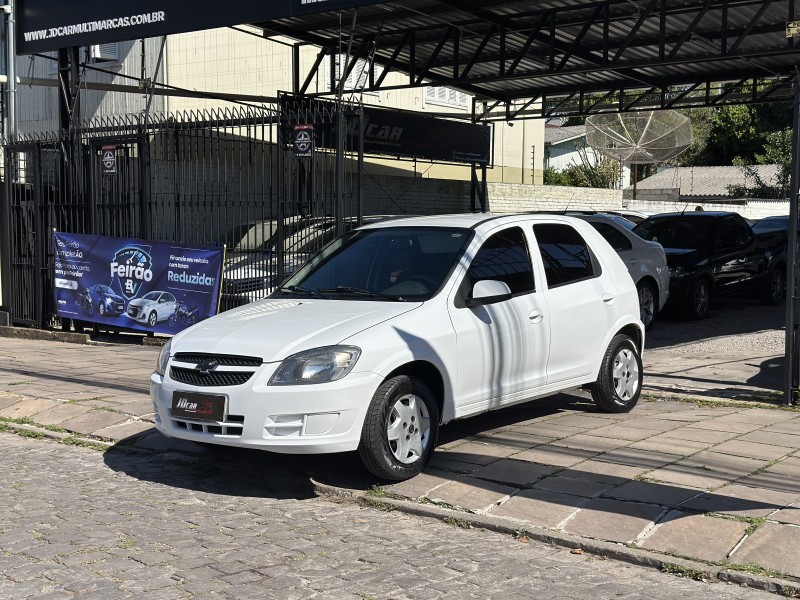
(233, 176)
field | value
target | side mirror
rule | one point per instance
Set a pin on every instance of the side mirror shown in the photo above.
(488, 291)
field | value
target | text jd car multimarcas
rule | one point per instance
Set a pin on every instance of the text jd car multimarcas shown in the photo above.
(398, 327)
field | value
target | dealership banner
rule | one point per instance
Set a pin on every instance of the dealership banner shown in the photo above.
(45, 25)
(135, 284)
(391, 132)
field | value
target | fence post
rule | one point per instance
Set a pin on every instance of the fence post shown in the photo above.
(5, 236)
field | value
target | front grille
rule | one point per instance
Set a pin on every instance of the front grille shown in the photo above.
(234, 425)
(213, 378)
(225, 360)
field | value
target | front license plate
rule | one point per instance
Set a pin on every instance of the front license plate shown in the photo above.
(201, 407)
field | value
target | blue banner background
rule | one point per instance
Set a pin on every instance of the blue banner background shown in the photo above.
(135, 284)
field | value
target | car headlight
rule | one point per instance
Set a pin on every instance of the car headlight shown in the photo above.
(163, 358)
(319, 365)
(677, 271)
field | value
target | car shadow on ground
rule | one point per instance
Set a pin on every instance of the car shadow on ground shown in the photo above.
(248, 472)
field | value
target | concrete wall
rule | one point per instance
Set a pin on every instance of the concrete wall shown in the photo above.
(401, 195)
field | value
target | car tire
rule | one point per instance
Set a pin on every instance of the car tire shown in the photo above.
(699, 300)
(619, 382)
(648, 303)
(100, 310)
(152, 319)
(400, 429)
(775, 291)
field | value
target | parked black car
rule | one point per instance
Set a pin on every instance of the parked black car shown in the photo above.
(716, 253)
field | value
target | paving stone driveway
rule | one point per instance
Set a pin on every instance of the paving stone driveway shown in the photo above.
(81, 524)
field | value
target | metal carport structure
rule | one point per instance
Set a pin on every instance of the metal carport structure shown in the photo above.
(523, 59)
(536, 58)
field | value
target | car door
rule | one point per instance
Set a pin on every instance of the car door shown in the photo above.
(581, 300)
(502, 348)
(737, 260)
(166, 306)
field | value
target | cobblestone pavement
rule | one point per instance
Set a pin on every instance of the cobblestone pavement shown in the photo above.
(78, 523)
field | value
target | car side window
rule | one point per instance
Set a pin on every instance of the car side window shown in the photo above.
(565, 254)
(613, 236)
(731, 234)
(504, 257)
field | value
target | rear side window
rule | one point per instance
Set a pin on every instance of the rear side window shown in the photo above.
(504, 257)
(565, 254)
(613, 236)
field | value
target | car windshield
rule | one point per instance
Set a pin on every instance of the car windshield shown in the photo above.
(687, 233)
(392, 263)
(104, 289)
(771, 224)
(151, 296)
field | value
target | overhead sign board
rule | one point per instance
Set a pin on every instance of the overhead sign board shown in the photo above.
(394, 133)
(45, 25)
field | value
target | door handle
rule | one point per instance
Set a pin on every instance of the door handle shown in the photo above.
(536, 316)
(608, 298)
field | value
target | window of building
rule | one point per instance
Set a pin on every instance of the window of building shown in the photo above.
(444, 96)
(358, 79)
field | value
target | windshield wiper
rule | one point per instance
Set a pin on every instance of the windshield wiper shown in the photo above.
(296, 289)
(341, 289)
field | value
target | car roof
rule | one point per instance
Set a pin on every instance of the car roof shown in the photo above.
(704, 214)
(470, 220)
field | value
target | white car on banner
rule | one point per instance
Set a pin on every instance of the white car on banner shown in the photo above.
(152, 308)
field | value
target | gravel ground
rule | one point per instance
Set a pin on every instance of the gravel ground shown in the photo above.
(733, 325)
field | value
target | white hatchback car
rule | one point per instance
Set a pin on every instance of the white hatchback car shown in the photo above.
(152, 308)
(398, 327)
(646, 262)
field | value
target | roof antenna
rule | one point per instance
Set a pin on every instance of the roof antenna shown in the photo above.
(684, 209)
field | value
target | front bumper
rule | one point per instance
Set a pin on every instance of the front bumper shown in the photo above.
(301, 419)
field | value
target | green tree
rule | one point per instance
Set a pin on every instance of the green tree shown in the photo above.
(596, 172)
(725, 135)
(777, 151)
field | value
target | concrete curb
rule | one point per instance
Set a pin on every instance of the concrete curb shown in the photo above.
(679, 566)
(44, 334)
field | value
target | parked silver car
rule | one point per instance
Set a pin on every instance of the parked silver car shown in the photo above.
(152, 308)
(646, 262)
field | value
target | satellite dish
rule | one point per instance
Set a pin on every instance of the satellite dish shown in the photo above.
(640, 137)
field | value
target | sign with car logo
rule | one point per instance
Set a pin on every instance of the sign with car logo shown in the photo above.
(135, 284)
(303, 140)
(108, 158)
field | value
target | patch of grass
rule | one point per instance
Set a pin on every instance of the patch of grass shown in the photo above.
(125, 542)
(19, 383)
(36, 435)
(460, 523)
(686, 572)
(4, 427)
(53, 428)
(376, 504)
(749, 568)
(83, 443)
(107, 409)
(754, 522)
(18, 420)
(377, 491)
(364, 596)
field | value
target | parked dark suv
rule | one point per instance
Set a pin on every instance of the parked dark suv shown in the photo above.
(715, 253)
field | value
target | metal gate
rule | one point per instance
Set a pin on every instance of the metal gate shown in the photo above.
(231, 177)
